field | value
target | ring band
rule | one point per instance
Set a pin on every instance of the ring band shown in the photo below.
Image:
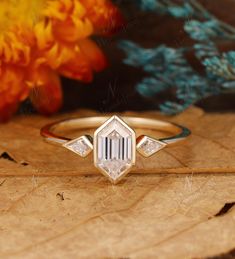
(114, 143)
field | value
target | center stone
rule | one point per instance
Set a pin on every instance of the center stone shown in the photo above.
(114, 148)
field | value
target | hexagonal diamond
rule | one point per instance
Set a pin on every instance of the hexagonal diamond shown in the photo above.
(114, 145)
(149, 146)
(81, 146)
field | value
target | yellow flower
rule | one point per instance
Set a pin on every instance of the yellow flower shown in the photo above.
(42, 39)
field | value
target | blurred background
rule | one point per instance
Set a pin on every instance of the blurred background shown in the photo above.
(114, 89)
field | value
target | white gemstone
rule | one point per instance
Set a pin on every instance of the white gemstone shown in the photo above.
(81, 146)
(149, 146)
(114, 145)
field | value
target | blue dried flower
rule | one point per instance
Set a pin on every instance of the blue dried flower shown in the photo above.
(183, 11)
(168, 68)
(203, 31)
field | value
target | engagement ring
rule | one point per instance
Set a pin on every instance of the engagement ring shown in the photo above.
(114, 143)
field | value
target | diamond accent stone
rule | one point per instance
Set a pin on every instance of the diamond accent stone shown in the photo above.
(114, 148)
(81, 146)
(149, 146)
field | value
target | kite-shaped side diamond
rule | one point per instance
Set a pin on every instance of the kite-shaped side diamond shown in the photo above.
(148, 146)
(81, 146)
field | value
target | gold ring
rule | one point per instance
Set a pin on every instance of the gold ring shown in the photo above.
(114, 143)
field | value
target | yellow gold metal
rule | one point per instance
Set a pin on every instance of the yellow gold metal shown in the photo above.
(177, 134)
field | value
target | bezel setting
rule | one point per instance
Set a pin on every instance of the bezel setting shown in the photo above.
(114, 149)
(147, 146)
(81, 146)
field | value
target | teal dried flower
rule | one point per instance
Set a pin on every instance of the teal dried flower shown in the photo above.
(204, 31)
(168, 68)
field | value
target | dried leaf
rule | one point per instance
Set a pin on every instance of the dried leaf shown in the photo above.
(146, 216)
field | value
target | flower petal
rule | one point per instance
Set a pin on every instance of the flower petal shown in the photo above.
(15, 47)
(68, 20)
(93, 53)
(105, 17)
(78, 67)
(44, 34)
(12, 91)
(72, 31)
(46, 93)
(56, 55)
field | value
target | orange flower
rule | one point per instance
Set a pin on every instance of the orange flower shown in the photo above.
(42, 39)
